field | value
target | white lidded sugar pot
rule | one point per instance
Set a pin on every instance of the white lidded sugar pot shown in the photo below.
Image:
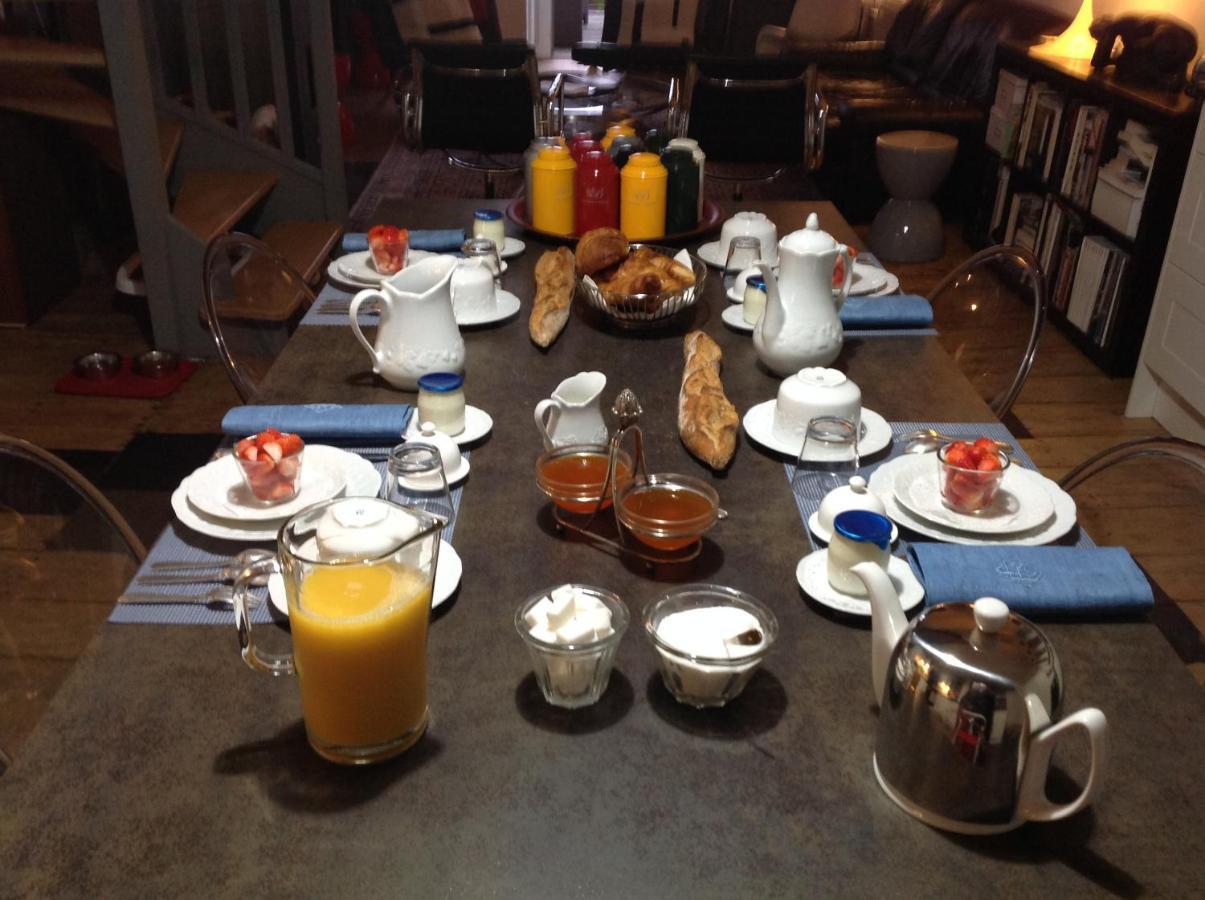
(970, 696)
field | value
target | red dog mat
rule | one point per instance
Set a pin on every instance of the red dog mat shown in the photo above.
(127, 383)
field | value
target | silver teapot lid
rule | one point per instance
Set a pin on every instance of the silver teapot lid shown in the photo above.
(999, 646)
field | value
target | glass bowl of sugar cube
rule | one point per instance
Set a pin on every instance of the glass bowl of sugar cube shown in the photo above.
(572, 632)
(710, 640)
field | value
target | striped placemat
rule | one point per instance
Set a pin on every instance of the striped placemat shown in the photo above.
(180, 543)
(335, 292)
(808, 492)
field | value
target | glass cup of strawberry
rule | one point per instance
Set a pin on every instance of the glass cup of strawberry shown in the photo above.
(271, 465)
(969, 474)
(388, 246)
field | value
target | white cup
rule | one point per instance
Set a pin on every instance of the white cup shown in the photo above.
(473, 293)
(811, 393)
(752, 224)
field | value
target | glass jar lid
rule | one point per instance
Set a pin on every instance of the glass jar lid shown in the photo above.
(440, 382)
(865, 527)
(487, 215)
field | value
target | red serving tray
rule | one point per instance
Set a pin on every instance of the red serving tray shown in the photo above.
(516, 211)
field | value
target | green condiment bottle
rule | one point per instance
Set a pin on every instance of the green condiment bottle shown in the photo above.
(682, 196)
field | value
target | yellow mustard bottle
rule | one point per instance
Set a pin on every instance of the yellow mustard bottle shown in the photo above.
(552, 183)
(614, 131)
(642, 187)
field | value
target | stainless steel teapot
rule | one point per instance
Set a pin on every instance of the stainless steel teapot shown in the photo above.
(969, 701)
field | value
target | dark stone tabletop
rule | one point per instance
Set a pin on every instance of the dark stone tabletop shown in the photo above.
(165, 766)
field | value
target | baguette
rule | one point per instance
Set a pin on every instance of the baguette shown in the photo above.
(555, 283)
(707, 421)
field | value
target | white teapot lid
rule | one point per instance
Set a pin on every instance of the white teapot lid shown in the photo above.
(361, 527)
(809, 239)
(854, 495)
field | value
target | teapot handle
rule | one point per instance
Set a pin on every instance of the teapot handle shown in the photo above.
(545, 426)
(352, 314)
(1033, 804)
(848, 282)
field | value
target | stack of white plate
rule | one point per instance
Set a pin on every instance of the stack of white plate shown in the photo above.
(1029, 508)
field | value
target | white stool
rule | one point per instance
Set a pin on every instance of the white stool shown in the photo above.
(913, 165)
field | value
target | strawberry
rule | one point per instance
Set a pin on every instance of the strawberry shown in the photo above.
(247, 450)
(290, 444)
(959, 454)
(273, 450)
(989, 462)
(986, 444)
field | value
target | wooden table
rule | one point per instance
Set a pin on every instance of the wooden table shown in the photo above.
(166, 766)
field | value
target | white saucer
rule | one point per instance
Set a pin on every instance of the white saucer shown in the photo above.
(512, 247)
(362, 480)
(506, 305)
(477, 424)
(827, 536)
(812, 576)
(1022, 502)
(217, 489)
(734, 317)
(447, 576)
(358, 268)
(882, 483)
(710, 254)
(759, 425)
(867, 279)
(891, 287)
(454, 478)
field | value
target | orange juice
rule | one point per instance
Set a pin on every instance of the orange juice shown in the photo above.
(360, 644)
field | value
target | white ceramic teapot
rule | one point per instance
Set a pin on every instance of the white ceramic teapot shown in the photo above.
(417, 333)
(969, 696)
(800, 326)
(573, 414)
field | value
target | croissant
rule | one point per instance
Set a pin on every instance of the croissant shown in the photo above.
(645, 272)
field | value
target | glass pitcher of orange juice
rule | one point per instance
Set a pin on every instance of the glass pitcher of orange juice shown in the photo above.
(358, 574)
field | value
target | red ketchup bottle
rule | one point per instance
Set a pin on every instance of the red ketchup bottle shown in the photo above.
(582, 144)
(597, 192)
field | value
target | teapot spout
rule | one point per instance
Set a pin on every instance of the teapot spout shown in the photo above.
(773, 318)
(887, 619)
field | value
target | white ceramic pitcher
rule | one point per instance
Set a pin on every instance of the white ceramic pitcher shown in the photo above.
(800, 326)
(417, 333)
(573, 415)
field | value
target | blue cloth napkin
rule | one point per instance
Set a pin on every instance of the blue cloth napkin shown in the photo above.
(329, 421)
(892, 311)
(443, 240)
(1033, 581)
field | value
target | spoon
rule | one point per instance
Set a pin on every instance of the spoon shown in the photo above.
(219, 597)
(239, 560)
(926, 440)
(227, 573)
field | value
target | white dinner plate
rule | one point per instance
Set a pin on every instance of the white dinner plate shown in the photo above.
(882, 482)
(812, 576)
(826, 535)
(447, 577)
(891, 287)
(759, 425)
(506, 305)
(477, 424)
(218, 489)
(359, 269)
(734, 318)
(867, 279)
(1021, 503)
(361, 477)
(710, 254)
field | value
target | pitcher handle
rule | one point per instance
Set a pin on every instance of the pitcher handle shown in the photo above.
(352, 314)
(272, 663)
(545, 427)
(848, 281)
(1033, 803)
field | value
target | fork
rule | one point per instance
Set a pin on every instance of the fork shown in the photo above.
(244, 558)
(222, 597)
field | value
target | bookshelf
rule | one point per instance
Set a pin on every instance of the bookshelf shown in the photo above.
(1039, 183)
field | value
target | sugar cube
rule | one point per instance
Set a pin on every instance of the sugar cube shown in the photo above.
(537, 616)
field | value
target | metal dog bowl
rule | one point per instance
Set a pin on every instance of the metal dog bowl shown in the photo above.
(99, 365)
(156, 363)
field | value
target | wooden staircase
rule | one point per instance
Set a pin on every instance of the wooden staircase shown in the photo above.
(201, 173)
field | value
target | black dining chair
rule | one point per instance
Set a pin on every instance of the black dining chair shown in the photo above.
(67, 553)
(754, 118)
(988, 312)
(480, 104)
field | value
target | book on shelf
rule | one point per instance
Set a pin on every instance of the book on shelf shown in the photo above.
(1025, 220)
(1099, 283)
(1000, 204)
(1027, 116)
(1068, 260)
(1004, 118)
(1010, 90)
(1038, 152)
